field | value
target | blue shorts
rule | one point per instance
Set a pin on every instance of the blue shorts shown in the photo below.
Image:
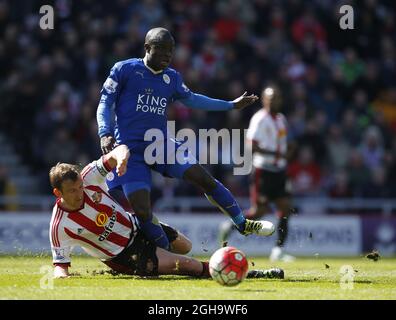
(138, 175)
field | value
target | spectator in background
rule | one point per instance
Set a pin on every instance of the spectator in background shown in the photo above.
(338, 149)
(295, 67)
(60, 148)
(340, 187)
(386, 104)
(228, 25)
(363, 110)
(377, 186)
(7, 188)
(351, 66)
(370, 82)
(305, 173)
(359, 174)
(371, 148)
(352, 133)
(313, 139)
(390, 167)
(330, 104)
(308, 24)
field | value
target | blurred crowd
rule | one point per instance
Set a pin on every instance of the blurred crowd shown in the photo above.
(339, 86)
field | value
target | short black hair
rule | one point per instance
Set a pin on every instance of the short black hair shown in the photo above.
(158, 35)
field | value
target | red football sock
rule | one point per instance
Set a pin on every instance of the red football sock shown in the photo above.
(205, 270)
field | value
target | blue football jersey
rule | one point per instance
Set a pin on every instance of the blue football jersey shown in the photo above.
(140, 98)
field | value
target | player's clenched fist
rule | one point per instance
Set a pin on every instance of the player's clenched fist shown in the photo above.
(122, 155)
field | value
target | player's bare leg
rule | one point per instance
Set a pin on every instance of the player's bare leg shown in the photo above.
(149, 224)
(221, 197)
(140, 203)
(284, 208)
(200, 178)
(181, 245)
(171, 263)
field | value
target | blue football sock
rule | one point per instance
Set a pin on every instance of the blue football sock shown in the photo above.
(154, 232)
(224, 200)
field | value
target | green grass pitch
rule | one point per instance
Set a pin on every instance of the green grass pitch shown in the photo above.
(309, 278)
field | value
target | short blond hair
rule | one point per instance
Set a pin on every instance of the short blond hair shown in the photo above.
(62, 172)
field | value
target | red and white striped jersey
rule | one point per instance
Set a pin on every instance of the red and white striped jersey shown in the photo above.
(270, 132)
(101, 226)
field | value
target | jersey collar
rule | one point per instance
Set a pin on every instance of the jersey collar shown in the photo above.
(273, 116)
(152, 70)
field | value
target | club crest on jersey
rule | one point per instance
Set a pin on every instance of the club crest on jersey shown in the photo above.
(101, 219)
(97, 197)
(110, 176)
(166, 78)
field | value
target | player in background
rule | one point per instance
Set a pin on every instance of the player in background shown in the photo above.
(267, 135)
(139, 91)
(86, 215)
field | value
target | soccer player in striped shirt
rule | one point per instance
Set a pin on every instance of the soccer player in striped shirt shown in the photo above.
(139, 91)
(86, 215)
(267, 134)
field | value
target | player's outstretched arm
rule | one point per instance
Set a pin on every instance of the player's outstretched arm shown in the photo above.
(118, 158)
(244, 100)
(199, 101)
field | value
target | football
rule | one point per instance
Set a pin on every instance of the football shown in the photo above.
(228, 266)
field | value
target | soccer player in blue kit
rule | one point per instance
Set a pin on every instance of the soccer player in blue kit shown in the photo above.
(138, 91)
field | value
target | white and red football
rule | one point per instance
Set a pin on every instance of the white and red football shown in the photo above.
(228, 266)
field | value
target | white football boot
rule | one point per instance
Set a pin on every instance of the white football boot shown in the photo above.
(261, 228)
(277, 254)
